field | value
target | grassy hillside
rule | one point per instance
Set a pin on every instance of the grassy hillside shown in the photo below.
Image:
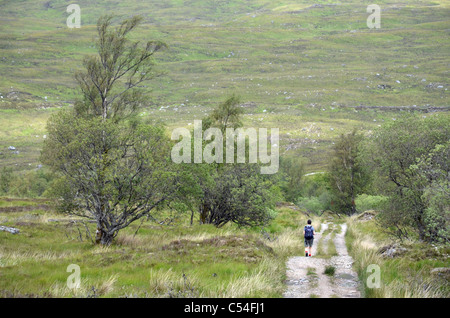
(273, 53)
(167, 258)
(297, 65)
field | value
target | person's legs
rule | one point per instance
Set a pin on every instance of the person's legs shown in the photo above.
(308, 246)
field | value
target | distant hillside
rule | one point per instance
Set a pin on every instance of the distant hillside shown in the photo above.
(308, 67)
(273, 53)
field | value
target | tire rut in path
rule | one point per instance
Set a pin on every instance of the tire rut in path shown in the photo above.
(306, 278)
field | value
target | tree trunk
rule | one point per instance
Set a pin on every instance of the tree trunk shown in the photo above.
(106, 239)
(103, 237)
(204, 211)
(353, 206)
(421, 228)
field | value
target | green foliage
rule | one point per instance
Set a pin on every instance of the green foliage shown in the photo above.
(396, 149)
(313, 193)
(292, 170)
(348, 176)
(434, 171)
(111, 80)
(229, 192)
(115, 166)
(226, 115)
(366, 202)
(311, 204)
(31, 183)
(6, 176)
(315, 185)
(119, 170)
(239, 194)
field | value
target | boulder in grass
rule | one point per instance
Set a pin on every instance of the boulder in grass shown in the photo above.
(366, 215)
(11, 230)
(391, 251)
(441, 272)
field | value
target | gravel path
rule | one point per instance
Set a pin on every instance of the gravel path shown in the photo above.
(306, 278)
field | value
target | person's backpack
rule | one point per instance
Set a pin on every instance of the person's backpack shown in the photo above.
(309, 232)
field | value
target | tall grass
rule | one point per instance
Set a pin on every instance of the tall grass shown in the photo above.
(87, 288)
(398, 278)
(289, 242)
(264, 280)
(167, 283)
(146, 260)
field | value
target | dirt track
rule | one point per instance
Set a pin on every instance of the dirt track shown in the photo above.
(306, 278)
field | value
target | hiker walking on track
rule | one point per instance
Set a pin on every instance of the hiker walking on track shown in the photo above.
(308, 233)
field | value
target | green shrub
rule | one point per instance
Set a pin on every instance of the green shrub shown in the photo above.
(366, 202)
(329, 270)
(311, 204)
(315, 185)
(6, 176)
(29, 184)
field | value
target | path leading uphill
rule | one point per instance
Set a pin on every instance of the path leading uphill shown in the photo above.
(306, 277)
